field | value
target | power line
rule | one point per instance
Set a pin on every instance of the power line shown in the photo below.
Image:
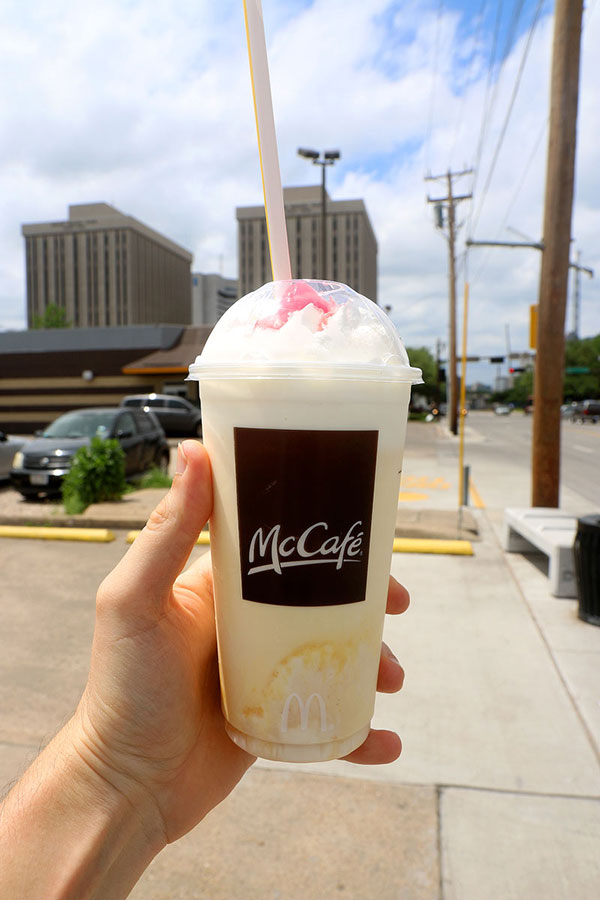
(512, 28)
(521, 182)
(487, 105)
(434, 80)
(515, 195)
(511, 104)
(475, 42)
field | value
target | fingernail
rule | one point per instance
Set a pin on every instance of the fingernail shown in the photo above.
(181, 460)
(390, 655)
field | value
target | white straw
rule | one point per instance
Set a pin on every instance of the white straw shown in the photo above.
(267, 141)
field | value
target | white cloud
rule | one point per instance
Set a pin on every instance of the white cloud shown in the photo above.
(147, 105)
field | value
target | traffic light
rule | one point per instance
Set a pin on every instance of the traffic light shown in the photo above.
(497, 360)
(516, 370)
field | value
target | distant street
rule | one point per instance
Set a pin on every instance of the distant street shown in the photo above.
(502, 445)
(498, 451)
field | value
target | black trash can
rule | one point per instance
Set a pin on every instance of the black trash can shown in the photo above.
(587, 568)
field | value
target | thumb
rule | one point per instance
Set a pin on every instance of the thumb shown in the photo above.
(142, 580)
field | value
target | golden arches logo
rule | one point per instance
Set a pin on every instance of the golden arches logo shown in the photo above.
(304, 710)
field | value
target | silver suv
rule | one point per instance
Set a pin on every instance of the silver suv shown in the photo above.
(586, 411)
(176, 414)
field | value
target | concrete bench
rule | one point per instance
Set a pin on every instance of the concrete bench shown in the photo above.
(553, 533)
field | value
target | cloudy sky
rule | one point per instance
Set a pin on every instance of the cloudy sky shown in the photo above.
(146, 104)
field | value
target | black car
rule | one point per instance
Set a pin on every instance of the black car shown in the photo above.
(586, 411)
(176, 414)
(40, 466)
(9, 444)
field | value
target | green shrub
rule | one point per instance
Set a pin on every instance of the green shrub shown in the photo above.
(97, 473)
(155, 478)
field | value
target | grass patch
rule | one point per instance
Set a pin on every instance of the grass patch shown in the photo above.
(153, 478)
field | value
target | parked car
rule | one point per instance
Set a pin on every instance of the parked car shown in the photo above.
(567, 410)
(176, 414)
(586, 411)
(9, 444)
(39, 467)
(503, 410)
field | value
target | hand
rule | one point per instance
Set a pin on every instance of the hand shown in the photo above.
(150, 718)
(383, 746)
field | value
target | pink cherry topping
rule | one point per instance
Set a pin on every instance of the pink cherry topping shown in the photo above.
(296, 296)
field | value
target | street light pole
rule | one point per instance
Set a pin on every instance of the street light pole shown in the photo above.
(329, 158)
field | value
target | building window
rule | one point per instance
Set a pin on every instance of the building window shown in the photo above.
(335, 257)
(45, 259)
(107, 310)
(32, 272)
(95, 311)
(125, 298)
(119, 297)
(75, 280)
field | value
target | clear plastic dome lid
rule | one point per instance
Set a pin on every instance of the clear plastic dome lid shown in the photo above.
(304, 328)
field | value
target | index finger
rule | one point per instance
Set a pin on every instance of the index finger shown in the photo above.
(398, 598)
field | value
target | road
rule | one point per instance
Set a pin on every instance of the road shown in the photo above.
(498, 451)
(508, 438)
(495, 747)
(505, 444)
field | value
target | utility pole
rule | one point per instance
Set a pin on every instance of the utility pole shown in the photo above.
(448, 204)
(558, 210)
(577, 270)
(508, 351)
(576, 296)
(538, 245)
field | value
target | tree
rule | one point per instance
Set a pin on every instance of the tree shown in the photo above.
(522, 388)
(423, 359)
(53, 317)
(582, 354)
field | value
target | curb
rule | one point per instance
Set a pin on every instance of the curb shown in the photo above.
(431, 545)
(401, 545)
(40, 532)
(203, 537)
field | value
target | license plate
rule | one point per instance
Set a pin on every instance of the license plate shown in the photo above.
(39, 478)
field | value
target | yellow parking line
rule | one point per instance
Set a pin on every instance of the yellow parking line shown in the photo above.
(204, 537)
(476, 496)
(409, 496)
(430, 545)
(56, 534)
(401, 545)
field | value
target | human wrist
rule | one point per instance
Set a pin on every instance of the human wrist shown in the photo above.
(72, 831)
(115, 789)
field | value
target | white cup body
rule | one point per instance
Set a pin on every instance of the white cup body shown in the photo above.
(298, 681)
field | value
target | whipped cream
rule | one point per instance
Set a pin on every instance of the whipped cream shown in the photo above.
(305, 322)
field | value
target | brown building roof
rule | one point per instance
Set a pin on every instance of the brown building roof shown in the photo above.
(174, 360)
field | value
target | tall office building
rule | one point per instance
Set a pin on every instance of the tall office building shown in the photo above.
(106, 268)
(351, 255)
(212, 295)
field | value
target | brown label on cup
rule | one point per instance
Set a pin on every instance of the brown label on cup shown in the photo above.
(305, 500)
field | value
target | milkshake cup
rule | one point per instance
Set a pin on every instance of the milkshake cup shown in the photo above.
(304, 388)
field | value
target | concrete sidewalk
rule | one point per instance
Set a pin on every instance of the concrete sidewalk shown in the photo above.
(497, 793)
